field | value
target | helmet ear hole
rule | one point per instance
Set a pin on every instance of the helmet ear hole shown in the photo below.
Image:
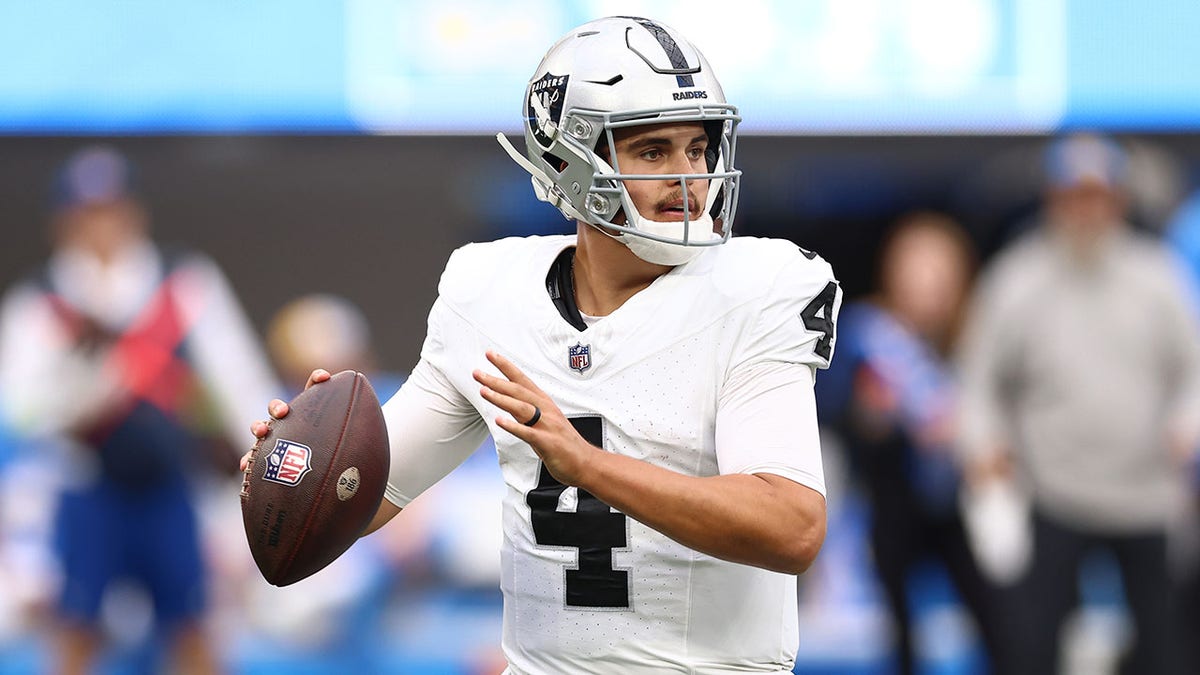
(554, 163)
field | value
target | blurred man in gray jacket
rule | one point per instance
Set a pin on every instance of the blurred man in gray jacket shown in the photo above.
(1081, 368)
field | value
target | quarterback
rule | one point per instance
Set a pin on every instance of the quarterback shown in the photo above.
(648, 381)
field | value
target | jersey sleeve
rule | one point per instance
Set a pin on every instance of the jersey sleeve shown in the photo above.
(432, 428)
(766, 415)
(767, 423)
(797, 319)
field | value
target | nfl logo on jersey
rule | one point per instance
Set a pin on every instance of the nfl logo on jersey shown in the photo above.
(288, 462)
(579, 357)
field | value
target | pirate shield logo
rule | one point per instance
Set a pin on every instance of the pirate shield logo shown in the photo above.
(543, 110)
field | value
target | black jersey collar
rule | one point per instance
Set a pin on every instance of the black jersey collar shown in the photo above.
(560, 284)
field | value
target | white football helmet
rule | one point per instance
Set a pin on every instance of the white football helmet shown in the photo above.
(620, 72)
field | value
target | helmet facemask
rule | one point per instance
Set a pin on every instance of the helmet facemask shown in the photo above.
(667, 242)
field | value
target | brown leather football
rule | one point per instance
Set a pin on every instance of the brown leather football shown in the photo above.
(315, 480)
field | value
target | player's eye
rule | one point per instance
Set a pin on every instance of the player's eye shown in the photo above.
(652, 154)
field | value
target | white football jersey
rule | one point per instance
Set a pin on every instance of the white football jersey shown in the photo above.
(587, 589)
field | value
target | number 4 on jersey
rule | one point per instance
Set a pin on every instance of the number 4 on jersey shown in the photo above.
(818, 317)
(593, 528)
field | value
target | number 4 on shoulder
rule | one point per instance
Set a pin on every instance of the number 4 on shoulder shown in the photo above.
(818, 317)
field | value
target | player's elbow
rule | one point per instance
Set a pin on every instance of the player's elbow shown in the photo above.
(794, 543)
(803, 548)
(798, 531)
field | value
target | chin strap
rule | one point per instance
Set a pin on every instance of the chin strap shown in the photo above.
(542, 184)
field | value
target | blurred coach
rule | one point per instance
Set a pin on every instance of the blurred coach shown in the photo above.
(1081, 379)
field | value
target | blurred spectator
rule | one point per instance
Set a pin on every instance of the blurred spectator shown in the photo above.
(1081, 379)
(325, 331)
(895, 407)
(135, 360)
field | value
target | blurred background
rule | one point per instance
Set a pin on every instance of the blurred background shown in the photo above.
(324, 158)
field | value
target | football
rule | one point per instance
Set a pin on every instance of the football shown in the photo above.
(314, 482)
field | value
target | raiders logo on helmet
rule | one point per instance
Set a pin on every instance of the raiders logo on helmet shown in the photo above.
(543, 110)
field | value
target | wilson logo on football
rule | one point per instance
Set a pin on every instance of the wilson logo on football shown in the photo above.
(288, 462)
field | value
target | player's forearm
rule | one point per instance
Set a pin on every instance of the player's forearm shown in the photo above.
(387, 511)
(761, 520)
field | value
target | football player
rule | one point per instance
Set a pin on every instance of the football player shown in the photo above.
(648, 381)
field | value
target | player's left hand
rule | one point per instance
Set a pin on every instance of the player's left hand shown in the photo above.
(564, 452)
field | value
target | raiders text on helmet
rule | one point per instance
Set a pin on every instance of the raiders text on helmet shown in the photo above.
(622, 72)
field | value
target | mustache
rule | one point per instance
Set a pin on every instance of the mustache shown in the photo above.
(695, 206)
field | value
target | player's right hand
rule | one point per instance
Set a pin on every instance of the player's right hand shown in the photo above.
(278, 409)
